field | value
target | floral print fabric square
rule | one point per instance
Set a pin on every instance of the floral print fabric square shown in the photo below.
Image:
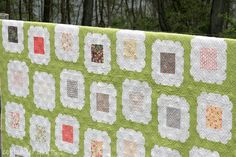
(214, 117)
(67, 133)
(167, 63)
(130, 48)
(96, 148)
(208, 58)
(97, 53)
(39, 45)
(15, 119)
(12, 34)
(67, 41)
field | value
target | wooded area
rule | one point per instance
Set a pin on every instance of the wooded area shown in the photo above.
(202, 17)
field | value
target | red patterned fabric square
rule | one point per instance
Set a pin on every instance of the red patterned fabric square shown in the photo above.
(39, 45)
(67, 133)
(208, 58)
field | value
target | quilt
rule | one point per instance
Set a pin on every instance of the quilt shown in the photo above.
(100, 92)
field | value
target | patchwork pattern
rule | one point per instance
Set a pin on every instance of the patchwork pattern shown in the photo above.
(130, 143)
(96, 143)
(173, 117)
(67, 134)
(67, 42)
(110, 89)
(40, 134)
(136, 101)
(103, 102)
(214, 117)
(130, 50)
(208, 59)
(12, 34)
(97, 56)
(18, 79)
(97, 53)
(39, 45)
(72, 89)
(15, 120)
(167, 63)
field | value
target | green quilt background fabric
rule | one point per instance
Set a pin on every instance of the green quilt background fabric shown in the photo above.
(189, 89)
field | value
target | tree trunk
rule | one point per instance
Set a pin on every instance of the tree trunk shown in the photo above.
(68, 11)
(20, 12)
(101, 8)
(46, 12)
(217, 17)
(8, 8)
(162, 15)
(87, 13)
(63, 15)
(30, 9)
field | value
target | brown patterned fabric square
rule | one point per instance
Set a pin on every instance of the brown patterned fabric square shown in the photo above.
(136, 101)
(12, 34)
(214, 117)
(18, 155)
(96, 148)
(130, 148)
(102, 102)
(97, 53)
(130, 48)
(167, 63)
(72, 89)
(173, 118)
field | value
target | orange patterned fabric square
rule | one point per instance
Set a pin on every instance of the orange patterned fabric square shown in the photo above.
(208, 59)
(67, 133)
(39, 45)
(130, 148)
(130, 48)
(214, 117)
(96, 148)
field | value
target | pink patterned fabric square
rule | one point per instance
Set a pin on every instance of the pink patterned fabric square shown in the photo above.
(208, 59)
(15, 119)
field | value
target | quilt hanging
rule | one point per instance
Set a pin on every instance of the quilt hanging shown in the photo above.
(100, 92)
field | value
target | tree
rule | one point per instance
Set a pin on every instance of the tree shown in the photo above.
(217, 16)
(46, 12)
(87, 13)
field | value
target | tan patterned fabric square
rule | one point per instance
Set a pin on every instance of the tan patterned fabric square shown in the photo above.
(130, 149)
(214, 117)
(167, 63)
(102, 102)
(18, 78)
(130, 48)
(97, 53)
(96, 148)
(66, 41)
(136, 101)
(41, 134)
